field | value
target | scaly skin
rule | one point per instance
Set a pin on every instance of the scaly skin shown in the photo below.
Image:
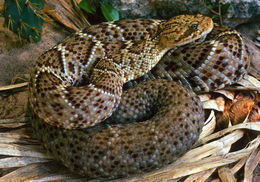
(125, 147)
(221, 59)
(78, 83)
(172, 121)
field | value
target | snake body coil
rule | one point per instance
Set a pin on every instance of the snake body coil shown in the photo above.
(79, 82)
(221, 59)
(119, 150)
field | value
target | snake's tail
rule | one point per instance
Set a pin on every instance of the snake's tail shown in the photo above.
(76, 107)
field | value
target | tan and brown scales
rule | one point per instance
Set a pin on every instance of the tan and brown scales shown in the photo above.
(145, 132)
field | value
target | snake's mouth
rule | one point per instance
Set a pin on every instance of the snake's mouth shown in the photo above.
(201, 39)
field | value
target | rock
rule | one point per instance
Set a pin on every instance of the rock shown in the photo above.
(161, 9)
(238, 12)
(243, 8)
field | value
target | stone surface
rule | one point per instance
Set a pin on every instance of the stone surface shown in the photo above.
(239, 11)
(243, 8)
(161, 9)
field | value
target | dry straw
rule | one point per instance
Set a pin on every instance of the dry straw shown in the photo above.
(23, 159)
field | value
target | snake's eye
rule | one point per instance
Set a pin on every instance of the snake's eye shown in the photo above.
(194, 27)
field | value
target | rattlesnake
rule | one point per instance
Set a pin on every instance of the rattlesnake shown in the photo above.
(144, 132)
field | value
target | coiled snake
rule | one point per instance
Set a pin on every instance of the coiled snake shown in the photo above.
(78, 84)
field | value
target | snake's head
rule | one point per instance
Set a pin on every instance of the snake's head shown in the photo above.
(184, 29)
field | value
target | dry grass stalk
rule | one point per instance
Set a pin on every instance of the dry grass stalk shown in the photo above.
(201, 176)
(239, 165)
(19, 150)
(251, 164)
(14, 138)
(217, 104)
(40, 172)
(226, 175)
(250, 83)
(11, 123)
(23, 150)
(15, 86)
(249, 126)
(67, 13)
(207, 157)
(209, 125)
(20, 161)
